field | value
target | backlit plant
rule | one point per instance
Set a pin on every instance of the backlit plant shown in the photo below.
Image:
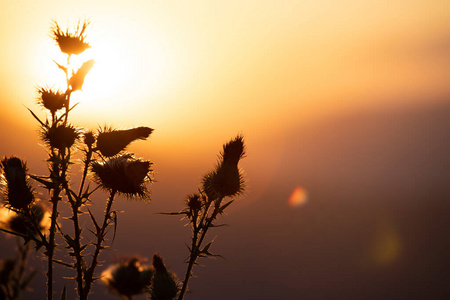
(106, 163)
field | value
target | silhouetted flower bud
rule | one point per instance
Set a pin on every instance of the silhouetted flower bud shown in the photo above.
(234, 150)
(194, 203)
(29, 222)
(60, 136)
(227, 179)
(124, 174)
(53, 100)
(77, 79)
(164, 284)
(17, 192)
(128, 278)
(71, 42)
(89, 138)
(111, 142)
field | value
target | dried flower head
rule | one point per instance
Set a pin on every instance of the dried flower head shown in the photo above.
(128, 278)
(164, 283)
(111, 142)
(226, 180)
(77, 80)
(71, 42)
(60, 136)
(28, 222)
(194, 203)
(53, 100)
(17, 192)
(124, 174)
(89, 138)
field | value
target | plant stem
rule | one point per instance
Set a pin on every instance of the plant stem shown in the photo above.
(98, 246)
(51, 242)
(75, 204)
(196, 244)
(77, 242)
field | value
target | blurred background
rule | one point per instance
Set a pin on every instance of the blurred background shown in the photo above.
(345, 108)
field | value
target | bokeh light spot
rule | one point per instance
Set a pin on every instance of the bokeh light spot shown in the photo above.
(298, 197)
(387, 245)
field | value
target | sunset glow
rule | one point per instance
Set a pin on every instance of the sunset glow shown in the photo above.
(344, 107)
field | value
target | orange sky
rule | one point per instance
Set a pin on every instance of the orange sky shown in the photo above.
(200, 73)
(337, 100)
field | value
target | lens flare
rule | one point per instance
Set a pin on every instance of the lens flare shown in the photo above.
(298, 197)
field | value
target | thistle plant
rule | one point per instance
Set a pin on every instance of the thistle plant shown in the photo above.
(36, 218)
(204, 207)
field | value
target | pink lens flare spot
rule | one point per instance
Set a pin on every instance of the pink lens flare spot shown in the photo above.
(298, 197)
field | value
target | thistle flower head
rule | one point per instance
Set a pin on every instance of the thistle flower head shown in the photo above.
(124, 174)
(61, 136)
(28, 222)
(53, 100)
(194, 202)
(227, 179)
(234, 150)
(128, 278)
(164, 283)
(71, 42)
(77, 80)
(89, 138)
(110, 142)
(17, 190)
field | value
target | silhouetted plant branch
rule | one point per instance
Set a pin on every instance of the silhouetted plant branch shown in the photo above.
(118, 173)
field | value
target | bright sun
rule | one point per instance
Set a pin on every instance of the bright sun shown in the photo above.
(127, 68)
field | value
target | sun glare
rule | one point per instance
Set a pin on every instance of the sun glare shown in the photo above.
(128, 68)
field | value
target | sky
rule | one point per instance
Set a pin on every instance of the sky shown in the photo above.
(343, 105)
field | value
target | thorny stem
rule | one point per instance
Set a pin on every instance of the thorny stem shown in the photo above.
(77, 242)
(60, 178)
(201, 230)
(75, 204)
(51, 243)
(101, 232)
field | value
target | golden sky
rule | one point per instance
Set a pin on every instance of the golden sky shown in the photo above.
(200, 72)
(347, 148)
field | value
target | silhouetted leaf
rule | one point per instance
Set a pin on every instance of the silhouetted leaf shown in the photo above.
(63, 294)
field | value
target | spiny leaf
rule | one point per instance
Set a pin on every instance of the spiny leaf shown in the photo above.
(64, 114)
(61, 67)
(115, 224)
(174, 213)
(222, 208)
(70, 241)
(93, 220)
(63, 294)
(36, 117)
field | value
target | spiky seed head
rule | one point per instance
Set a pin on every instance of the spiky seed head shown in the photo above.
(194, 202)
(89, 138)
(128, 278)
(234, 150)
(17, 190)
(227, 179)
(71, 43)
(61, 136)
(53, 100)
(124, 174)
(37, 218)
(164, 283)
(111, 142)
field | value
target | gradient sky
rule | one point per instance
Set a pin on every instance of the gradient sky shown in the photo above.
(313, 86)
